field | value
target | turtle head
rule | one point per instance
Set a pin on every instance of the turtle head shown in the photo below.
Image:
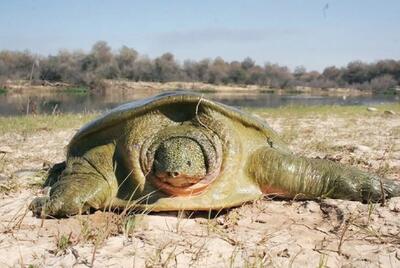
(179, 162)
(182, 160)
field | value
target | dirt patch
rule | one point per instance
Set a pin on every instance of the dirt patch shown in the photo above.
(329, 233)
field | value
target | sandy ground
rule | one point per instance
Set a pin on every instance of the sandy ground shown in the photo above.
(272, 233)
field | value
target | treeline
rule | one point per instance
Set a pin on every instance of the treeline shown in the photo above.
(102, 63)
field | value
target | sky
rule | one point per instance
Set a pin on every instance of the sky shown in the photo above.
(310, 33)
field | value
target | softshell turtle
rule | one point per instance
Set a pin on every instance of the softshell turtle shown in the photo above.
(179, 151)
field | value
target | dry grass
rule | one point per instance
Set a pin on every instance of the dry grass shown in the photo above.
(324, 111)
(33, 123)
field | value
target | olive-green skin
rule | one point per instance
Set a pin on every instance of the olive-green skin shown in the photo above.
(110, 161)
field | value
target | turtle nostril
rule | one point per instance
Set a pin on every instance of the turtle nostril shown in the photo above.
(173, 174)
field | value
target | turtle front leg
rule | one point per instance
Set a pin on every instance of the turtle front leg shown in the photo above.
(87, 182)
(291, 176)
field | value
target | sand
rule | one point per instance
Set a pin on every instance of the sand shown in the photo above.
(265, 233)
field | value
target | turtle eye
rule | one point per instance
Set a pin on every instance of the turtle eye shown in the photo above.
(189, 163)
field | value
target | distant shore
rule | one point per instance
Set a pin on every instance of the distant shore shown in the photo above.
(108, 86)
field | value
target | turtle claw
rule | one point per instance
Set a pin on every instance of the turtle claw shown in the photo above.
(38, 205)
(44, 207)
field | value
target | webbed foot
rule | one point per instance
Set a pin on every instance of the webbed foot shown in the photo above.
(78, 185)
(57, 207)
(37, 205)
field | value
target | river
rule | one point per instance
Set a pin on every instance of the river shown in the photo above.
(14, 103)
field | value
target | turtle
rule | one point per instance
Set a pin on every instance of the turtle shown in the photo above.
(180, 151)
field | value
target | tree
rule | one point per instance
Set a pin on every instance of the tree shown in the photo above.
(218, 71)
(100, 63)
(101, 52)
(18, 65)
(277, 76)
(256, 76)
(126, 61)
(144, 70)
(166, 69)
(310, 76)
(299, 71)
(332, 73)
(237, 74)
(356, 72)
(248, 63)
(390, 67)
(189, 68)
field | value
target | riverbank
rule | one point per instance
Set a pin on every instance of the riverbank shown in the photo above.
(332, 233)
(109, 86)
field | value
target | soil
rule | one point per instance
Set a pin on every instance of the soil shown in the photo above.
(278, 233)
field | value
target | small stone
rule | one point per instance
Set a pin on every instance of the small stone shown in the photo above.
(5, 150)
(201, 221)
(221, 221)
(372, 109)
(3, 178)
(394, 204)
(389, 112)
(364, 149)
(284, 253)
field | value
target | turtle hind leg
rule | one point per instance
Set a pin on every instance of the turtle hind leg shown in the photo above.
(292, 175)
(54, 174)
(391, 188)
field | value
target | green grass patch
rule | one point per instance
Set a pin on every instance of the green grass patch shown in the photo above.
(324, 110)
(390, 92)
(3, 90)
(32, 123)
(77, 90)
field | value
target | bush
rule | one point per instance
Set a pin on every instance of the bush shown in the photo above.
(383, 83)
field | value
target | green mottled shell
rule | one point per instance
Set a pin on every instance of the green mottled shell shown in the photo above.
(136, 108)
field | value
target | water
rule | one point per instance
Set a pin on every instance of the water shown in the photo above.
(50, 102)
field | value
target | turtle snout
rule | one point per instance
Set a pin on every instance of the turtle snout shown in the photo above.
(177, 179)
(165, 175)
(173, 174)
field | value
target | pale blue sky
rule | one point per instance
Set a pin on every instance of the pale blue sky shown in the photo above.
(286, 32)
